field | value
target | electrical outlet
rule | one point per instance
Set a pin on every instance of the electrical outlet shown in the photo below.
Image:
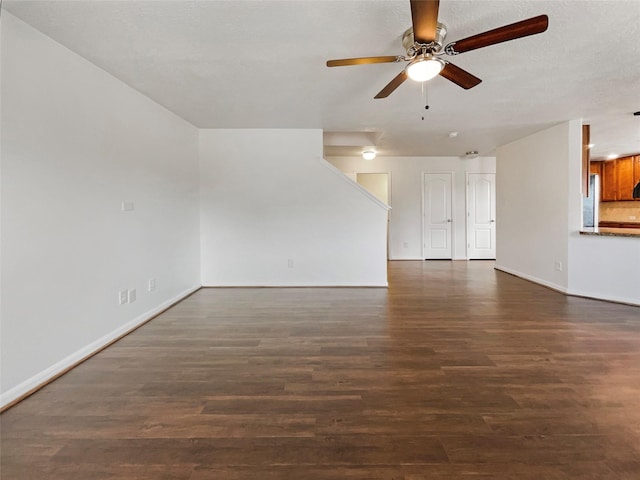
(405, 244)
(132, 295)
(152, 284)
(558, 266)
(123, 297)
(290, 263)
(128, 206)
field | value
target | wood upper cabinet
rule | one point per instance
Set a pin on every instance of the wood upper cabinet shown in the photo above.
(617, 177)
(609, 182)
(595, 167)
(624, 173)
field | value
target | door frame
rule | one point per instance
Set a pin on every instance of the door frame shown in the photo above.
(453, 209)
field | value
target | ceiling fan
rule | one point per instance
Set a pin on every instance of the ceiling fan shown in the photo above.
(424, 45)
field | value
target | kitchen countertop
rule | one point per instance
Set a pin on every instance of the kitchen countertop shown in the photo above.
(612, 232)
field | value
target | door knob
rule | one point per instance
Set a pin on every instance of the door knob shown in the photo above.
(492, 221)
(448, 220)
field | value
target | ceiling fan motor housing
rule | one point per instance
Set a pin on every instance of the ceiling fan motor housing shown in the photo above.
(414, 48)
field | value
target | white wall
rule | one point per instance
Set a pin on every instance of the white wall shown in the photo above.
(532, 183)
(541, 175)
(76, 143)
(268, 197)
(405, 219)
(605, 267)
(599, 266)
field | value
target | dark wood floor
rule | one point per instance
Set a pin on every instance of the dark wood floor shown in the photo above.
(455, 372)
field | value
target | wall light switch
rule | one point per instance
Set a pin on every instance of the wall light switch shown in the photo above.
(132, 295)
(632, 217)
(152, 284)
(123, 297)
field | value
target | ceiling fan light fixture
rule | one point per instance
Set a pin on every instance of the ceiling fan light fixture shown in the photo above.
(369, 154)
(424, 68)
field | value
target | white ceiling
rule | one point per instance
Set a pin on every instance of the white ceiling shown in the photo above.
(261, 64)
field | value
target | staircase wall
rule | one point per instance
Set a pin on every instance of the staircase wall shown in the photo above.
(275, 213)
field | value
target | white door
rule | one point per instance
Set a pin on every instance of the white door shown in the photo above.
(437, 215)
(481, 216)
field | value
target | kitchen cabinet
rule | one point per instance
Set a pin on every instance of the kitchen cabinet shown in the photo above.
(624, 176)
(595, 167)
(617, 177)
(619, 224)
(609, 183)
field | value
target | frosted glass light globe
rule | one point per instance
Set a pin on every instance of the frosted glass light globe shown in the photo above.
(368, 154)
(421, 69)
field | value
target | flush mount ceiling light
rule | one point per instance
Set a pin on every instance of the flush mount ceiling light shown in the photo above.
(611, 156)
(424, 68)
(369, 154)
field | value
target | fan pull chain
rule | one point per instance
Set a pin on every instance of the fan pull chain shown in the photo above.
(425, 96)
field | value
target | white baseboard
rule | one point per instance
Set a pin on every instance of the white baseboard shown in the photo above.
(572, 292)
(295, 285)
(607, 298)
(45, 376)
(551, 285)
(420, 259)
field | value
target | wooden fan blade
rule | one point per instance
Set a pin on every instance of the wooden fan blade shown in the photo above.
(424, 16)
(362, 61)
(521, 29)
(459, 76)
(392, 85)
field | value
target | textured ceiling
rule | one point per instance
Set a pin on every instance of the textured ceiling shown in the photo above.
(258, 64)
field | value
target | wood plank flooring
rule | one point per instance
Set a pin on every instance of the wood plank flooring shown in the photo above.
(457, 371)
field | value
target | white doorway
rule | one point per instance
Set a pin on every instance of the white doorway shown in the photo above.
(481, 216)
(437, 220)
